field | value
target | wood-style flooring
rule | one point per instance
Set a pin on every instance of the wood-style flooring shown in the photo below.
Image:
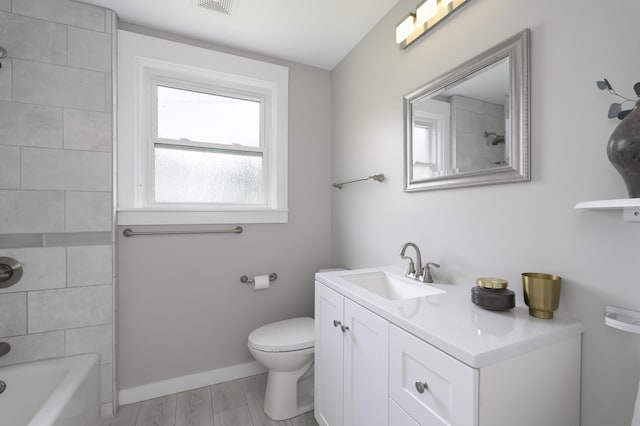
(236, 403)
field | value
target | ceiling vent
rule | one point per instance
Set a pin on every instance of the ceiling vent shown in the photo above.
(222, 6)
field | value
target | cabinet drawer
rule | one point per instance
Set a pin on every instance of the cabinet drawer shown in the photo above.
(399, 417)
(432, 387)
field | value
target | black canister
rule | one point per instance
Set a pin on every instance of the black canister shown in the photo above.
(493, 294)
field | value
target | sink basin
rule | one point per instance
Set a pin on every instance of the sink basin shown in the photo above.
(389, 286)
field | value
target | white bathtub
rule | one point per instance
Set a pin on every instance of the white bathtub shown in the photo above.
(61, 392)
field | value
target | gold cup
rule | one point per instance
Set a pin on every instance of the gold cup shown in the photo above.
(541, 293)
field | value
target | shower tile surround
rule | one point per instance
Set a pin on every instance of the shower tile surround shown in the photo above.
(56, 181)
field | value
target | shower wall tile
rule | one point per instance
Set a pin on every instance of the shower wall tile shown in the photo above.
(5, 79)
(13, 314)
(31, 211)
(43, 268)
(74, 239)
(88, 211)
(106, 410)
(21, 240)
(106, 384)
(69, 308)
(108, 85)
(56, 181)
(90, 339)
(9, 167)
(87, 130)
(32, 347)
(47, 84)
(65, 170)
(63, 11)
(110, 16)
(89, 49)
(30, 125)
(33, 39)
(89, 265)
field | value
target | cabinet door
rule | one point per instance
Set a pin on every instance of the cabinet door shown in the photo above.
(328, 378)
(366, 367)
(431, 386)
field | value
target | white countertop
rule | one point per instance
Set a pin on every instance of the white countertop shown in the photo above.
(453, 324)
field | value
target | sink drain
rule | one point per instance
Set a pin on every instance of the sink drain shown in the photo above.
(3, 386)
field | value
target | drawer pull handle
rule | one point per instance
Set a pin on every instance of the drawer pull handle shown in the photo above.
(336, 323)
(344, 328)
(421, 386)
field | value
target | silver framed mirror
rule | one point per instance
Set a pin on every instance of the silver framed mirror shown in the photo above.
(470, 126)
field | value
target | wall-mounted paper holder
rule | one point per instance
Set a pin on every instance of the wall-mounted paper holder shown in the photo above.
(245, 279)
(622, 319)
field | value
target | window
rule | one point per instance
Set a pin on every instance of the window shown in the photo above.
(197, 142)
(207, 147)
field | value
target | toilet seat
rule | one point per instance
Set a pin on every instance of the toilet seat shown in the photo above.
(284, 336)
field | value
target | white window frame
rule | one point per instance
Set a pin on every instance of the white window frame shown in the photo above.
(145, 62)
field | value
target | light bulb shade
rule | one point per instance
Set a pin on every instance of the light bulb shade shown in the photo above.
(445, 2)
(426, 11)
(405, 28)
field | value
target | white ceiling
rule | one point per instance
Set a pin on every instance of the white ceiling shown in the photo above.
(312, 32)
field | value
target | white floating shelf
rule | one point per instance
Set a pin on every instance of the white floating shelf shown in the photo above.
(622, 319)
(630, 207)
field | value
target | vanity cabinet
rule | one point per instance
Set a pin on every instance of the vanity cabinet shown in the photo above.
(374, 372)
(351, 362)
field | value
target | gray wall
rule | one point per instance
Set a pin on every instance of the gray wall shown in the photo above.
(504, 230)
(55, 181)
(182, 308)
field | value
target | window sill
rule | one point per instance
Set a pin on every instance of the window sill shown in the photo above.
(195, 217)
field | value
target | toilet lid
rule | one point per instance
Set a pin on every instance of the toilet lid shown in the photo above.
(288, 335)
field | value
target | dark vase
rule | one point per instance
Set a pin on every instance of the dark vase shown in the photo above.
(623, 151)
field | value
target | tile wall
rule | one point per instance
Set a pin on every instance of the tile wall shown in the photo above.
(56, 181)
(470, 119)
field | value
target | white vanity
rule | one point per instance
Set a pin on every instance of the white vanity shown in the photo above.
(387, 354)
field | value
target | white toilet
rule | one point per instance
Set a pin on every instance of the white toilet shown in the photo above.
(286, 349)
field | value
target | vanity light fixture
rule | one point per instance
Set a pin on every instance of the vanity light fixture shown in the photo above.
(405, 28)
(429, 13)
(426, 11)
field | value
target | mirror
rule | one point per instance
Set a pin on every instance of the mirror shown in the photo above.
(470, 126)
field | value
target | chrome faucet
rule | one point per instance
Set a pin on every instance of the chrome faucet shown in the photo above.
(412, 272)
(415, 270)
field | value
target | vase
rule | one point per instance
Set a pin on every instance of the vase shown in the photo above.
(623, 151)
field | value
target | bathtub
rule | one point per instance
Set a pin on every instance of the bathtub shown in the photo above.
(61, 392)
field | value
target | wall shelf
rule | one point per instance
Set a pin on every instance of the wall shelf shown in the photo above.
(630, 207)
(622, 319)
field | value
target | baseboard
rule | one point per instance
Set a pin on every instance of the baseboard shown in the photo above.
(191, 381)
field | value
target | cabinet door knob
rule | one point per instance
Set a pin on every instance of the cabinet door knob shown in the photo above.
(336, 323)
(421, 386)
(344, 328)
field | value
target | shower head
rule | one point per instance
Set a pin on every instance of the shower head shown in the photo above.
(498, 140)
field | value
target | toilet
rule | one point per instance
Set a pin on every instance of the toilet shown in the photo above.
(286, 349)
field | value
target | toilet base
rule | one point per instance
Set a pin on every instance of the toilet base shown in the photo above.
(288, 394)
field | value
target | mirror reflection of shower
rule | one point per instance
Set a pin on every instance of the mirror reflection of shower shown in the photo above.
(497, 139)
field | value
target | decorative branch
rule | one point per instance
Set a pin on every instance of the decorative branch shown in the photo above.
(615, 109)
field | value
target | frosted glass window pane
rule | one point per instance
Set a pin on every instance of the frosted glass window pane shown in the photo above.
(203, 117)
(198, 175)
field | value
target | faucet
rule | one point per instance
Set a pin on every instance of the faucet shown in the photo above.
(415, 270)
(412, 272)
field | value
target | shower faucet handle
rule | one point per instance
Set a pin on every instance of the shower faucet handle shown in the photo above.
(5, 348)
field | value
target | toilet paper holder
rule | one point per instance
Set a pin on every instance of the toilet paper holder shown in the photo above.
(245, 280)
